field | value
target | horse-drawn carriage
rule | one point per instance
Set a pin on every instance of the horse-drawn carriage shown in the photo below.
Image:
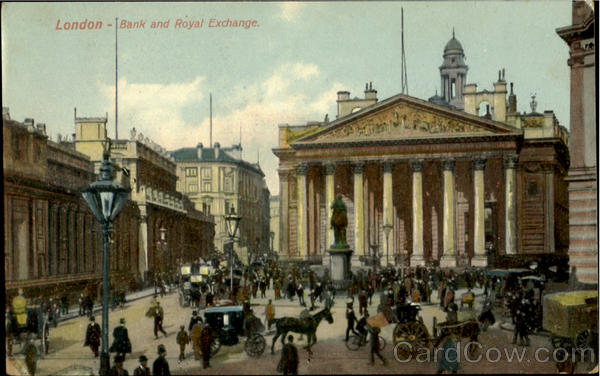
(28, 323)
(572, 319)
(228, 324)
(411, 335)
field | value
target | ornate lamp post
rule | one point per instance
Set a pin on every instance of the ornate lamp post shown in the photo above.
(105, 199)
(232, 221)
(162, 248)
(387, 228)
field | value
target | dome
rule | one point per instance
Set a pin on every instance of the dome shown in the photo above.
(453, 44)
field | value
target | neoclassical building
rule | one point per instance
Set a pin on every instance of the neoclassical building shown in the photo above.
(583, 176)
(427, 182)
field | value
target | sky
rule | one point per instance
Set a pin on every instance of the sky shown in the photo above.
(286, 67)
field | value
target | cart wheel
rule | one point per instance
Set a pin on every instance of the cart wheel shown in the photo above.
(353, 343)
(586, 339)
(413, 334)
(45, 335)
(255, 345)
(381, 343)
(215, 345)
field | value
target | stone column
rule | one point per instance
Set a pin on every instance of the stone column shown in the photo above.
(284, 205)
(388, 212)
(448, 258)
(302, 220)
(417, 257)
(510, 184)
(549, 217)
(329, 197)
(143, 242)
(359, 225)
(479, 257)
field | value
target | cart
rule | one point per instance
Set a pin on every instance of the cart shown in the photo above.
(34, 325)
(410, 334)
(228, 324)
(572, 319)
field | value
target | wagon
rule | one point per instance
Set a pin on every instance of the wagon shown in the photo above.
(572, 319)
(33, 324)
(410, 334)
(228, 324)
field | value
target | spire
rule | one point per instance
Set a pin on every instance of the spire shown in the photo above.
(453, 32)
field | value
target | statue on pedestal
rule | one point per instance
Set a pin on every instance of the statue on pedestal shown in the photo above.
(339, 222)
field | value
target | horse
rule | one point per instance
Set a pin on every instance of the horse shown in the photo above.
(306, 326)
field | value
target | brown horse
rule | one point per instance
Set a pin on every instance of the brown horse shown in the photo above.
(306, 326)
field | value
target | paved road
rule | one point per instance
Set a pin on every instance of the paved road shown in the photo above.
(330, 353)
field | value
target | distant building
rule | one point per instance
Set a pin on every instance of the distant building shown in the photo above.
(582, 177)
(218, 180)
(453, 185)
(148, 170)
(274, 224)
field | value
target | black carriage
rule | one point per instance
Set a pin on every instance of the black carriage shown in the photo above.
(34, 324)
(410, 334)
(228, 324)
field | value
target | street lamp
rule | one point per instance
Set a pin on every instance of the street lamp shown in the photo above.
(162, 248)
(105, 199)
(387, 228)
(232, 221)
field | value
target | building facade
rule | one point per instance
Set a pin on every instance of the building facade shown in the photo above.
(147, 169)
(451, 187)
(52, 240)
(217, 180)
(582, 177)
(275, 213)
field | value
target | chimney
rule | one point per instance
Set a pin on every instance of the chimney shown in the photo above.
(343, 95)
(512, 101)
(199, 150)
(217, 149)
(370, 94)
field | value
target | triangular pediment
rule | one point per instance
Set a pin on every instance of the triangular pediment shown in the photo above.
(406, 118)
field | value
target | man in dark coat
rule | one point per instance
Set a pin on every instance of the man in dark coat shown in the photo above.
(351, 317)
(362, 302)
(205, 341)
(375, 346)
(92, 336)
(117, 369)
(160, 367)
(142, 369)
(158, 320)
(31, 356)
(195, 318)
(121, 344)
(288, 365)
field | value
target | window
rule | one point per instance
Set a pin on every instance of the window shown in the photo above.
(191, 172)
(207, 173)
(192, 188)
(532, 189)
(228, 184)
(206, 208)
(453, 88)
(207, 187)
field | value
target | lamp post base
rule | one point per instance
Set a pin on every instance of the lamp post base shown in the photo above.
(104, 364)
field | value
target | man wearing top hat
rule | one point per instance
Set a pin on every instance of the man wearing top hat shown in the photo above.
(142, 369)
(121, 344)
(92, 336)
(160, 367)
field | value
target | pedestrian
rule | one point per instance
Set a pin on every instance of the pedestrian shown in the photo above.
(195, 334)
(158, 320)
(449, 359)
(117, 369)
(300, 293)
(263, 288)
(31, 355)
(121, 343)
(182, 339)
(375, 346)
(205, 341)
(521, 328)
(64, 304)
(362, 302)
(288, 364)
(81, 305)
(269, 314)
(92, 336)
(277, 288)
(195, 318)
(142, 369)
(351, 318)
(160, 367)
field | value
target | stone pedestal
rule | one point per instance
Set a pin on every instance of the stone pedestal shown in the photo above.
(479, 261)
(340, 267)
(448, 261)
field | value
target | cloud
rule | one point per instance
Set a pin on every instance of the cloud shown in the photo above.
(291, 10)
(293, 93)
